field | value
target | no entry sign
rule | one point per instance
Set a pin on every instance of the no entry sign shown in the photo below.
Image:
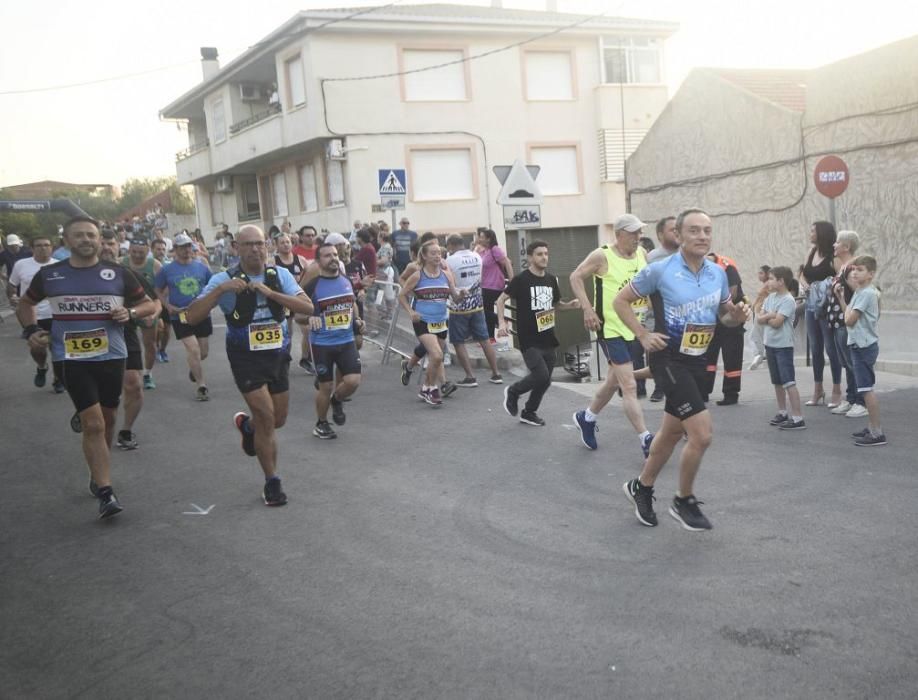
(831, 176)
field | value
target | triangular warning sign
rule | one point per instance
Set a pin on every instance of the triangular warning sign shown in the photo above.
(392, 185)
(519, 185)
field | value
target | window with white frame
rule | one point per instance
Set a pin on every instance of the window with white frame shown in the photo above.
(560, 169)
(442, 174)
(309, 198)
(549, 75)
(437, 85)
(296, 82)
(334, 180)
(219, 119)
(279, 193)
(632, 59)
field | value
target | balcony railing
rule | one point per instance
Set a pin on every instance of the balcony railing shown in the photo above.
(255, 118)
(191, 150)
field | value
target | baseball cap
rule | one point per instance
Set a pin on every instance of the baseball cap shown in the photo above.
(335, 239)
(139, 240)
(182, 239)
(629, 223)
(13, 239)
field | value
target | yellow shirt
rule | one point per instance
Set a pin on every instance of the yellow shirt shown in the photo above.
(619, 272)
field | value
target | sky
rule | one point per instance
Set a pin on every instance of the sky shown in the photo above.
(110, 130)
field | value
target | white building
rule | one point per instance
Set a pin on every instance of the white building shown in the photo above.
(570, 93)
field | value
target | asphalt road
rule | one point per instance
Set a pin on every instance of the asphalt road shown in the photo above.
(451, 553)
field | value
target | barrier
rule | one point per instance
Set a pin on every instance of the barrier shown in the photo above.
(381, 314)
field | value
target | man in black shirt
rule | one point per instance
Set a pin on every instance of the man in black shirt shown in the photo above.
(536, 297)
(727, 341)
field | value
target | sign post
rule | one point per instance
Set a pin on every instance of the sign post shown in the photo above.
(831, 178)
(521, 199)
(393, 190)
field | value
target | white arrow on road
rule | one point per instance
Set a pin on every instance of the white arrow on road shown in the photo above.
(198, 510)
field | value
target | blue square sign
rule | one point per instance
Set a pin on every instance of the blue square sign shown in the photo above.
(392, 182)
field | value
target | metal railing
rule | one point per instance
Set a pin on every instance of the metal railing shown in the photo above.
(381, 312)
(255, 118)
(191, 150)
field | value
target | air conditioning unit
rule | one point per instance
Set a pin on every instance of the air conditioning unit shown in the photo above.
(334, 150)
(250, 93)
(224, 183)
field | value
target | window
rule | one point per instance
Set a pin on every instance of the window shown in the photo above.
(309, 199)
(296, 83)
(442, 174)
(549, 75)
(334, 176)
(633, 59)
(442, 84)
(560, 173)
(279, 193)
(248, 195)
(219, 117)
(216, 208)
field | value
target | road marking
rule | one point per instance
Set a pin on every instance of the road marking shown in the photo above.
(198, 510)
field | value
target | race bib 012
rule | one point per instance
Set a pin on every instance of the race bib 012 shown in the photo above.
(265, 336)
(83, 345)
(696, 338)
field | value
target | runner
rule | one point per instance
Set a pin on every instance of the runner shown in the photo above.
(20, 278)
(255, 299)
(332, 339)
(431, 286)
(536, 296)
(145, 267)
(295, 264)
(612, 268)
(689, 293)
(89, 302)
(177, 285)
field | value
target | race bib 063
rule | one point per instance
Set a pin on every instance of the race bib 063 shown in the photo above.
(545, 320)
(266, 336)
(695, 338)
(83, 345)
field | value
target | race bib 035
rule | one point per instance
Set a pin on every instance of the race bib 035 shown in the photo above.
(266, 336)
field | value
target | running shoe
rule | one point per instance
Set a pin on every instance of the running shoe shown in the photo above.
(432, 396)
(642, 498)
(337, 411)
(447, 389)
(58, 386)
(467, 382)
(108, 503)
(76, 423)
(841, 409)
(588, 430)
(756, 361)
(531, 418)
(127, 440)
(779, 419)
(870, 440)
(241, 421)
(688, 514)
(41, 377)
(324, 431)
(645, 444)
(496, 379)
(163, 356)
(861, 433)
(148, 382)
(406, 372)
(856, 411)
(791, 424)
(203, 394)
(511, 401)
(306, 364)
(273, 494)
(657, 396)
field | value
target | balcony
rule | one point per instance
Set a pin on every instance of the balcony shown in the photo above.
(193, 163)
(255, 118)
(249, 140)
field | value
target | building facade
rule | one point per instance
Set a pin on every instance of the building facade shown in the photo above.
(297, 127)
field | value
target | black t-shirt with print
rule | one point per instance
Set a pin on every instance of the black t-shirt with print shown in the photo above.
(535, 299)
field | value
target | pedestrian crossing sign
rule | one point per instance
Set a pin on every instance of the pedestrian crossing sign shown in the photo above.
(392, 181)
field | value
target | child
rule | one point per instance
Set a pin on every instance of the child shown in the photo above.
(776, 314)
(861, 317)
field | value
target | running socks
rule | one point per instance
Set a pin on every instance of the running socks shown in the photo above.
(590, 416)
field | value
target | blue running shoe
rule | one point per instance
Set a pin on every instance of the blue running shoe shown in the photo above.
(587, 430)
(645, 444)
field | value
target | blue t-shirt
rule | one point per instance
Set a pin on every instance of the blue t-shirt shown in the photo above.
(690, 301)
(401, 242)
(184, 282)
(863, 334)
(237, 337)
(785, 305)
(430, 297)
(333, 299)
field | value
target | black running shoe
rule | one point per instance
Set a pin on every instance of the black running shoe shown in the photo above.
(447, 389)
(642, 498)
(870, 440)
(511, 401)
(467, 382)
(240, 420)
(108, 503)
(406, 372)
(76, 423)
(306, 364)
(203, 394)
(686, 511)
(779, 419)
(273, 494)
(324, 431)
(657, 396)
(791, 424)
(41, 376)
(861, 433)
(337, 411)
(531, 418)
(127, 440)
(58, 386)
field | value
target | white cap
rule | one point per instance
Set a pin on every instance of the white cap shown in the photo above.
(629, 223)
(335, 239)
(13, 239)
(182, 239)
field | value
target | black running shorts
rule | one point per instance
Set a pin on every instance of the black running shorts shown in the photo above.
(681, 382)
(253, 370)
(420, 328)
(326, 357)
(182, 330)
(90, 383)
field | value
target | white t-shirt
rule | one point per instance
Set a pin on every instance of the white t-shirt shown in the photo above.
(21, 277)
(466, 268)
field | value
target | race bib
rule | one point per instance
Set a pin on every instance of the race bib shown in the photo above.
(266, 336)
(545, 320)
(82, 345)
(437, 327)
(337, 320)
(696, 337)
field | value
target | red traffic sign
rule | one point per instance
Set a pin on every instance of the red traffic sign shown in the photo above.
(831, 176)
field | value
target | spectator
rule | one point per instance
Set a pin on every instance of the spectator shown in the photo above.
(495, 271)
